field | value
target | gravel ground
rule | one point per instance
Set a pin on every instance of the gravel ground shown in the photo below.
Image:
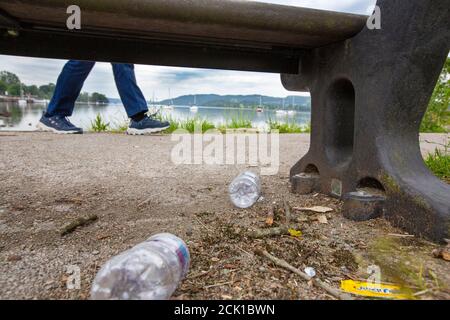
(130, 183)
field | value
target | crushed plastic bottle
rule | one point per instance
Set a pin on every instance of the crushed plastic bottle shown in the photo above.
(151, 270)
(245, 190)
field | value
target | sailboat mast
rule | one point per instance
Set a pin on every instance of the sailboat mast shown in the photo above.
(170, 98)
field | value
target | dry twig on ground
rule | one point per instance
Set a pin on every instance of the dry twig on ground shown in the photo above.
(79, 222)
(272, 232)
(317, 282)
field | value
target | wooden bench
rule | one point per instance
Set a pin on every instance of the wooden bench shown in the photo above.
(369, 88)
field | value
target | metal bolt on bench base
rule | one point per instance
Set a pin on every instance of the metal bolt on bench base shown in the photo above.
(369, 95)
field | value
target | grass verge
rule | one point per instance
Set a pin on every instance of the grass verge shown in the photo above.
(191, 124)
(439, 163)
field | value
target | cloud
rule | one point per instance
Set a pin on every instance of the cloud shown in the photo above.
(179, 81)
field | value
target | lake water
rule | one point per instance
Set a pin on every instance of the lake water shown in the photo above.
(17, 117)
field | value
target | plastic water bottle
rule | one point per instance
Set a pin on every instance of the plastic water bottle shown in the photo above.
(151, 270)
(245, 190)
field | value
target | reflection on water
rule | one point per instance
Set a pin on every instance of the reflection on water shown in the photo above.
(25, 118)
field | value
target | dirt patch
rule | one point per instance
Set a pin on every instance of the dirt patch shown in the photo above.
(345, 259)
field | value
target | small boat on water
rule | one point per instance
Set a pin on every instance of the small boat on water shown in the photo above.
(194, 107)
(260, 108)
(38, 101)
(169, 107)
(22, 101)
(291, 112)
(282, 112)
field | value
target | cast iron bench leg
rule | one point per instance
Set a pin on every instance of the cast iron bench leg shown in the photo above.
(369, 95)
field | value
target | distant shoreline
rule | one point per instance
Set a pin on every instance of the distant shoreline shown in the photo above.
(9, 99)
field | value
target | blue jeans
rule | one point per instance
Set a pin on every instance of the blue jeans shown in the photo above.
(71, 80)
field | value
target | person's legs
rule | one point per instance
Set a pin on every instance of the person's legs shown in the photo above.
(130, 93)
(68, 88)
(134, 102)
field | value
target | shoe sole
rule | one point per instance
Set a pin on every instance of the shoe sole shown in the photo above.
(137, 132)
(43, 127)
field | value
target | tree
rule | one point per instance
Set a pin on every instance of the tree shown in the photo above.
(98, 97)
(9, 78)
(46, 91)
(3, 87)
(14, 89)
(9, 82)
(84, 97)
(31, 90)
(437, 116)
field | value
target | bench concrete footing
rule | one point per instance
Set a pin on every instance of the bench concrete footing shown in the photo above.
(363, 205)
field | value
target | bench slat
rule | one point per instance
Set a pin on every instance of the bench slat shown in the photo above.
(254, 35)
(246, 21)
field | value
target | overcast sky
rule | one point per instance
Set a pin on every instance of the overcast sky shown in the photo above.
(180, 80)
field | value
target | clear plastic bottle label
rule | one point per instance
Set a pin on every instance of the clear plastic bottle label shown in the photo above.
(184, 258)
(180, 248)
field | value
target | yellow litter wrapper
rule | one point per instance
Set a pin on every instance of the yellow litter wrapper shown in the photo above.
(377, 290)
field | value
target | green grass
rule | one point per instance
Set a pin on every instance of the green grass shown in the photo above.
(239, 123)
(439, 163)
(288, 127)
(437, 117)
(235, 122)
(99, 125)
(174, 124)
(307, 128)
(120, 127)
(193, 125)
(190, 125)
